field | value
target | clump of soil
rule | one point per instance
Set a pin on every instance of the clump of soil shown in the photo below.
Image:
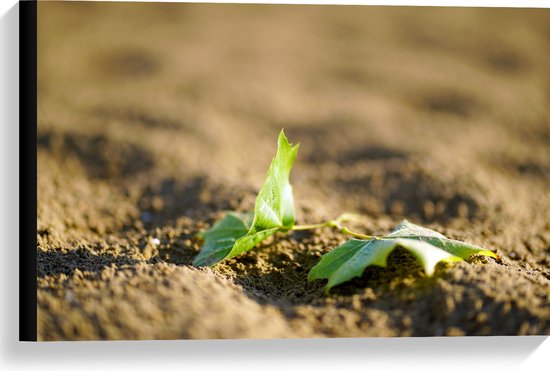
(146, 135)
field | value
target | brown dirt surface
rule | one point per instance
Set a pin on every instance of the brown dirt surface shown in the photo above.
(156, 118)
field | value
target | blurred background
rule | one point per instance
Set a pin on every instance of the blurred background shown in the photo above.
(153, 118)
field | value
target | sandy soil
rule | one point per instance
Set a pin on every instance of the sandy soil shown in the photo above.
(154, 119)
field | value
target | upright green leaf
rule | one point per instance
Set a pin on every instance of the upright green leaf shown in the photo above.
(427, 246)
(274, 211)
(275, 205)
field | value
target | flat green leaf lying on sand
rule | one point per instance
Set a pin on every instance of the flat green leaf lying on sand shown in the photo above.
(274, 211)
(428, 247)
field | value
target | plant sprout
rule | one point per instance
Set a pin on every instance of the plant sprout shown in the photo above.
(274, 212)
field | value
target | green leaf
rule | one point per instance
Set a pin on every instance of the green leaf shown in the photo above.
(274, 211)
(461, 249)
(275, 204)
(219, 240)
(427, 246)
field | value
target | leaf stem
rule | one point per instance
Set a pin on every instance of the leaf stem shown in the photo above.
(345, 230)
(336, 225)
(306, 227)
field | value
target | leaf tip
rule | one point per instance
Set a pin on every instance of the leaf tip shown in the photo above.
(282, 137)
(283, 141)
(488, 253)
(312, 274)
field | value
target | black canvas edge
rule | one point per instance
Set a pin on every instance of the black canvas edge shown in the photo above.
(27, 169)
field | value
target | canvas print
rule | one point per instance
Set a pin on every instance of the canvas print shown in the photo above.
(226, 171)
